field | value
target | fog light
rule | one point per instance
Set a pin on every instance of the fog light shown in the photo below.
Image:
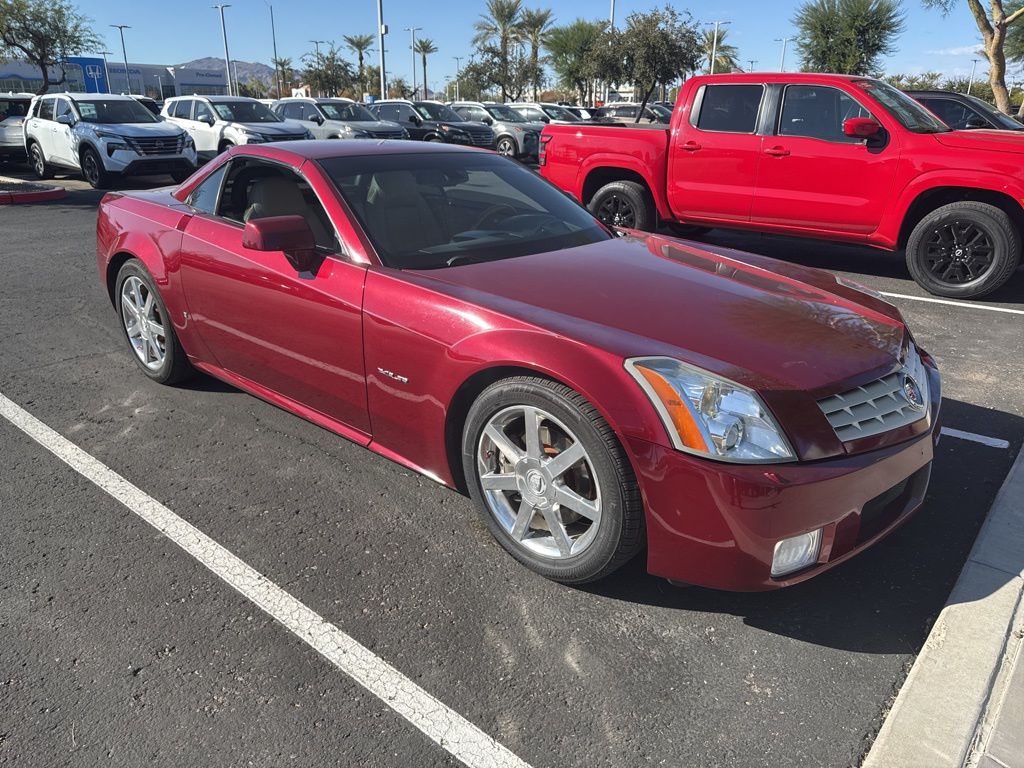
(796, 553)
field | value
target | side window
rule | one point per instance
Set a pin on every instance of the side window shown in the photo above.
(203, 111)
(309, 112)
(45, 109)
(730, 108)
(405, 113)
(293, 110)
(185, 108)
(388, 112)
(951, 113)
(255, 189)
(478, 114)
(63, 107)
(204, 197)
(625, 112)
(817, 112)
(463, 112)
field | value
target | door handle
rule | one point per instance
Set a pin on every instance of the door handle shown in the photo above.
(777, 151)
(691, 146)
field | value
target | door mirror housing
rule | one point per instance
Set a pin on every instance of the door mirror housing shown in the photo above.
(207, 119)
(415, 120)
(290, 234)
(65, 119)
(862, 128)
(488, 121)
(318, 119)
(975, 123)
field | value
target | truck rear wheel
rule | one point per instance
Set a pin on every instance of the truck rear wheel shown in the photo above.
(624, 204)
(963, 250)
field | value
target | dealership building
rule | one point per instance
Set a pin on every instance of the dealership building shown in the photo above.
(92, 74)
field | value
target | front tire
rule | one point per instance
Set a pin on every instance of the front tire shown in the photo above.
(963, 250)
(551, 480)
(507, 147)
(38, 161)
(147, 326)
(624, 204)
(93, 170)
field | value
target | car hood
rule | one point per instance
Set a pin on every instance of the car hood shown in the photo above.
(370, 125)
(763, 323)
(464, 125)
(288, 127)
(998, 141)
(136, 130)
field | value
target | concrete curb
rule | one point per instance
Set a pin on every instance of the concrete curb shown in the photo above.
(40, 196)
(936, 720)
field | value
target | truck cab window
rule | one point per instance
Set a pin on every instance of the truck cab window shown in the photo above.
(730, 108)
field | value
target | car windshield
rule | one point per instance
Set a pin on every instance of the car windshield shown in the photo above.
(437, 112)
(501, 112)
(909, 113)
(1004, 121)
(439, 210)
(558, 113)
(245, 112)
(13, 108)
(114, 111)
(343, 110)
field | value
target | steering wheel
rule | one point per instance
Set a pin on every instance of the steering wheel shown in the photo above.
(491, 212)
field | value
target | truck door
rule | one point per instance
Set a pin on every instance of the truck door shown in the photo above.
(813, 176)
(714, 156)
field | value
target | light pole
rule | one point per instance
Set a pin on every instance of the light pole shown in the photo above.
(316, 44)
(106, 71)
(224, 34)
(412, 49)
(785, 41)
(608, 85)
(752, 63)
(273, 38)
(458, 74)
(714, 43)
(382, 30)
(128, 83)
(970, 83)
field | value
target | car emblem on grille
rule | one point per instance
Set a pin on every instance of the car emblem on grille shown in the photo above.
(912, 392)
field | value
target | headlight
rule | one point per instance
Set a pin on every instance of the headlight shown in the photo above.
(355, 133)
(252, 137)
(109, 135)
(189, 143)
(710, 416)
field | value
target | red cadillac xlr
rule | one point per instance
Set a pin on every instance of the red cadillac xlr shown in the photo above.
(751, 423)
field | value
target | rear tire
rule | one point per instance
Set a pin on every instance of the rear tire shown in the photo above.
(507, 147)
(624, 204)
(963, 250)
(93, 170)
(38, 162)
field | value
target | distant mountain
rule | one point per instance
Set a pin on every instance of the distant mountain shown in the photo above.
(246, 70)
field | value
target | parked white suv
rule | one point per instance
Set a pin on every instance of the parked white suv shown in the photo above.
(217, 123)
(13, 108)
(338, 119)
(104, 136)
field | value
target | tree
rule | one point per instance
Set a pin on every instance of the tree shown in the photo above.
(44, 33)
(847, 36)
(252, 87)
(284, 67)
(658, 46)
(399, 89)
(926, 81)
(570, 49)
(726, 55)
(327, 73)
(498, 34)
(536, 24)
(997, 27)
(359, 45)
(424, 47)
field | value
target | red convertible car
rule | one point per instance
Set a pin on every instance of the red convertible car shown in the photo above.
(751, 423)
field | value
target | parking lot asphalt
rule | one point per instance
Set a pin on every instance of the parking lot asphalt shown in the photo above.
(117, 647)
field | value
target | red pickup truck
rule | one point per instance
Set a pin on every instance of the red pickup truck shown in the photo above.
(824, 156)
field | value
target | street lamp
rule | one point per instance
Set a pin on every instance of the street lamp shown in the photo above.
(224, 34)
(316, 44)
(458, 74)
(121, 28)
(412, 49)
(106, 71)
(752, 63)
(970, 83)
(273, 37)
(785, 41)
(714, 42)
(382, 30)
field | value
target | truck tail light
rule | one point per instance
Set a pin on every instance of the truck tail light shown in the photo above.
(542, 152)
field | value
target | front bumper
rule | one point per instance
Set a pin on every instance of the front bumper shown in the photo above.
(716, 525)
(130, 163)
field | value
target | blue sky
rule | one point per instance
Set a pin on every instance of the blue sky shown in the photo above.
(181, 30)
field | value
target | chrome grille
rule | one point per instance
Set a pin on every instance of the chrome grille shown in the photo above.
(271, 137)
(385, 134)
(878, 406)
(157, 145)
(481, 138)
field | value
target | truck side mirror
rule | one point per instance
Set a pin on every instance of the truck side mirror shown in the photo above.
(862, 128)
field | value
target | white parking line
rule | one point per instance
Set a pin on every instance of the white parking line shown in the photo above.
(991, 442)
(954, 303)
(440, 723)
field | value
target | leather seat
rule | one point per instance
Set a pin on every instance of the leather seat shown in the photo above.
(281, 196)
(398, 216)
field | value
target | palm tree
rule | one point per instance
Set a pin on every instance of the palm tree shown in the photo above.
(424, 47)
(359, 45)
(536, 25)
(726, 56)
(501, 26)
(284, 66)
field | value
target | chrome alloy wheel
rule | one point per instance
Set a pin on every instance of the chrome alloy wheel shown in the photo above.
(143, 323)
(538, 482)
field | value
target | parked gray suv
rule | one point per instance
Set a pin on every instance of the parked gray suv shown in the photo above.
(338, 119)
(515, 135)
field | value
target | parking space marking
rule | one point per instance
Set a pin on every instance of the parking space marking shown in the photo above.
(953, 303)
(991, 442)
(444, 726)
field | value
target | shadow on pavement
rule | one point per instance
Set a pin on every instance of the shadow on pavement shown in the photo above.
(885, 599)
